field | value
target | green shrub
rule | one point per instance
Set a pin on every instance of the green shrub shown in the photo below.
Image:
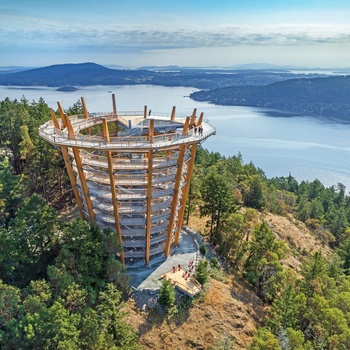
(203, 249)
(173, 313)
(218, 274)
(202, 273)
(166, 293)
(214, 263)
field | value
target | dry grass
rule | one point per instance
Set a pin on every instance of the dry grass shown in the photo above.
(221, 314)
(228, 310)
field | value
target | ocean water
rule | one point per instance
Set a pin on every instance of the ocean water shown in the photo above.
(307, 147)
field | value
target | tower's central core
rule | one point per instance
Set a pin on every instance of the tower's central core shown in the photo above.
(130, 172)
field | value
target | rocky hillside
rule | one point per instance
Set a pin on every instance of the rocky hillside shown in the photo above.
(229, 312)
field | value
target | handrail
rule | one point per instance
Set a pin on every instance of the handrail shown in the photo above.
(61, 137)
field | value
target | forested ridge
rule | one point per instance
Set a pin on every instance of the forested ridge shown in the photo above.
(327, 97)
(87, 74)
(63, 288)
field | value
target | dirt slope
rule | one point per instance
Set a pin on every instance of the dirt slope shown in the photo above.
(300, 240)
(229, 310)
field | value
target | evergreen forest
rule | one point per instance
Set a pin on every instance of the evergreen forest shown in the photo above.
(61, 286)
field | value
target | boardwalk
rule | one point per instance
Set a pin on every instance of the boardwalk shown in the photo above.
(183, 281)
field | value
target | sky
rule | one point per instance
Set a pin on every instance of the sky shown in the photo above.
(137, 33)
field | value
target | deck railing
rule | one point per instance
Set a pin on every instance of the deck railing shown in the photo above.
(57, 136)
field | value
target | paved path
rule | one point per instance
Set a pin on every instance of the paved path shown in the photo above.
(149, 277)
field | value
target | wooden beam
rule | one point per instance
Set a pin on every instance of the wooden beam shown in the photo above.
(175, 199)
(114, 104)
(61, 114)
(148, 209)
(73, 182)
(172, 118)
(81, 173)
(85, 111)
(105, 130)
(186, 126)
(173, 112)
(69, 126)
(54, 119)
(113, 189)
(151, 130)
(84, 186)
(185, 193)
(200, 120)
(193, 118)
(116, 126)
(194, 113)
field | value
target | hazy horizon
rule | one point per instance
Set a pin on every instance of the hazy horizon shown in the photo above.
(183, 33)
(262, 66)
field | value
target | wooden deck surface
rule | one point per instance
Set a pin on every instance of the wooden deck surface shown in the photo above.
(188, 285)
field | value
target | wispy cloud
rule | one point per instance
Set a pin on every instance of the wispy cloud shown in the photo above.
(33, 31)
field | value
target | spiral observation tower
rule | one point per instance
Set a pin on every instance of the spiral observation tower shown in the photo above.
(130, 171)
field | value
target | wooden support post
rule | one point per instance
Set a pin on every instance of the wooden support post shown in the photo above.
(145, 112)
(64, 122)
(151, 130)
(116, 127)
(86, 113)
(113, 189)
(114, 104)
(185, 193)
(175, 199)
(105, 129)
(81, 173)
(193, 118)
(200, 120)
(73, 182)
(84, 186)
(194, 113)
(54, 119)
(172, 118)
(61, 114)
(148, 209)
(186, 125)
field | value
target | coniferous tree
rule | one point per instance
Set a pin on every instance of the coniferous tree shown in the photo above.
(218, 201)
(166, 293)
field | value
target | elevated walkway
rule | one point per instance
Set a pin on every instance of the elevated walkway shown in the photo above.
(134, 181)
(50, 133)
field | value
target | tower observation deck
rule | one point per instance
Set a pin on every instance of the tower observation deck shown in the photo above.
(130, 171)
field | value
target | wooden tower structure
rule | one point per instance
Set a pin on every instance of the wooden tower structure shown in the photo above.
(130, 171)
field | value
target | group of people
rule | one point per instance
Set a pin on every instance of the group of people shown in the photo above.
(199, 129)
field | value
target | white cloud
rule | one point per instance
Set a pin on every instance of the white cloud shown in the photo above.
(178, 42)
(19, 30)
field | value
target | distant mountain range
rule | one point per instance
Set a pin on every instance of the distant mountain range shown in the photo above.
(87, 74)
(315, 94)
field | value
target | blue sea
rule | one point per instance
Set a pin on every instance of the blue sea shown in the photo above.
(305, 146)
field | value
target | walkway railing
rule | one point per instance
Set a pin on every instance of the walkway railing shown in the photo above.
(56, 136)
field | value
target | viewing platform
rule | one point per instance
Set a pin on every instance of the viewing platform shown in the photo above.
(135, 137)
(130, 172)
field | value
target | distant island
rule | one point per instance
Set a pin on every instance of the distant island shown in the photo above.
(302, 93)
(327, 97)
(67, 89)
